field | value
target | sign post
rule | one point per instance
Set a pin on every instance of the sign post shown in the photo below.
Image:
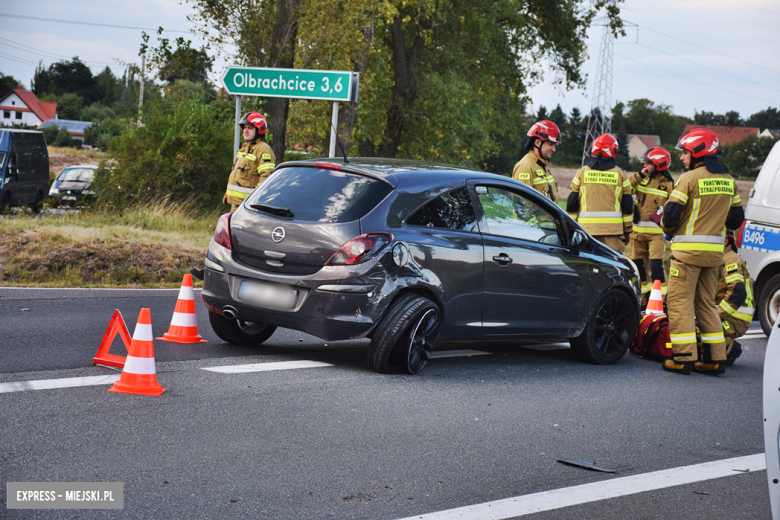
(326, 85)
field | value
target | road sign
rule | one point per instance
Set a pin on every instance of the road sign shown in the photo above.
(328, 85)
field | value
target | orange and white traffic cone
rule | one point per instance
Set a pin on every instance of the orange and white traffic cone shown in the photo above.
(184, 325)
(655, 304)
(140, 375)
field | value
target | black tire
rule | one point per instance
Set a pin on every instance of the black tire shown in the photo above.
(610, 330)
(769, 304)
(6, 202)
(403, 340)
(238, 332)
(37, 205)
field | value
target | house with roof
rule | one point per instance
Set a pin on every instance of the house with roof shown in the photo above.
(772, 134)
(23, 106)
(727, 134)
(638, 144)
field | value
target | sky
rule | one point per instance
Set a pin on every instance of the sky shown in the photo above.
(695, 55)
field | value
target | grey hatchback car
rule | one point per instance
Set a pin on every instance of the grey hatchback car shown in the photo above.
(408, 253)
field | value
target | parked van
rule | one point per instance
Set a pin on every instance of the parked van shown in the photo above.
(24, 167)
(759, 239)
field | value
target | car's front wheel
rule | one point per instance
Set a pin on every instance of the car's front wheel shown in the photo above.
(239, 332)
(404, 339)
(609, 331)
(769, 304)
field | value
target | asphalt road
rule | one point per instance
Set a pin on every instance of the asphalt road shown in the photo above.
(344, 442)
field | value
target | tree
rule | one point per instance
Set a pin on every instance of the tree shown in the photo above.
(733, 119)
(542, 114)
(575, 118)
(642, 116)
(622, 159)
(745, 158)
(8, 83)
(66, 77)
(769, 118)
(110, 85)
(184, 62)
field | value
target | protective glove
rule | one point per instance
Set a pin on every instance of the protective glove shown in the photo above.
(668, 238)
(626, 237)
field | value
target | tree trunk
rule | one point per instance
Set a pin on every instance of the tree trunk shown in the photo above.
(282, 55)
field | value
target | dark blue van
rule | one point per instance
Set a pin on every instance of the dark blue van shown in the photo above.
(24, 168)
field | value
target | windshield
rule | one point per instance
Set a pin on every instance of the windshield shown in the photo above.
(77, 174)
(2, 162)
(318, 195)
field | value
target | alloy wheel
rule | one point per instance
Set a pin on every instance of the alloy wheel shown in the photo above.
(611, 332)
(421, 341)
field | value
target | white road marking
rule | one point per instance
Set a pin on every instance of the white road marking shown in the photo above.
(457, 353)
(266, 367)
(67, 382)
(603, 490)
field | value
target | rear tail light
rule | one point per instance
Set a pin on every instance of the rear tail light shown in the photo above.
(222, 233)
(740, 232)
(360, 249)
(328, 166)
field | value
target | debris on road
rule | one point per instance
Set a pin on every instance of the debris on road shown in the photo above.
(586, 464)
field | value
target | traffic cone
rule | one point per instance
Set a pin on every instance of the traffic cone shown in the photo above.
(139, 375)
(115, 326)
(655, 304)
(184, 325)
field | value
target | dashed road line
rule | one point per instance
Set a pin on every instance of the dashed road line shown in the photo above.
(266, 367)
(66, 382)
(596, 491)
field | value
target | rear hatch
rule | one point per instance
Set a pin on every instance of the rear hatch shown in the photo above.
(300, 216)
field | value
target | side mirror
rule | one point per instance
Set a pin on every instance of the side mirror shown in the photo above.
(578, 239)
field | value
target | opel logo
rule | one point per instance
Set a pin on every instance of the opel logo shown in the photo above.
(277, 235)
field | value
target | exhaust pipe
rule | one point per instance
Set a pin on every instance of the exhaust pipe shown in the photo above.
(230, 312)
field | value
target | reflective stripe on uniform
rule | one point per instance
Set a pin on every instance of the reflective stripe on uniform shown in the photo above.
(626, 184)
(241, 154)
(682, 339)
(709, 239)
(600, 217)
(573, 215)
(692, 219)
(680, 195)
(648, 226)
(664, 290)
(239, 189)
(628, 218)
(736, 199)
(646, 287)
(736, 277)
(743, 313)
(601, 214)
(716, 337)
(251, 157)
(237, 194)
(698, 243)
(576, 181)
(540, 180)
(652, 191)
(693, 246)
(267, 166)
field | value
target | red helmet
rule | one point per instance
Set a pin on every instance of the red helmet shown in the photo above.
(606, 145)
(659, 157)
(546, 131)
(700, 141)
(255, 119)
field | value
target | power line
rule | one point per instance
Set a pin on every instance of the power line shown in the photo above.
(759, 8)
(711, 68)
(43, 53)
(16, 58)
(696, 80)
(85, 23)
(709, 50)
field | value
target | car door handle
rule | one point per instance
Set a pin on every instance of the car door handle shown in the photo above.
(502, 259)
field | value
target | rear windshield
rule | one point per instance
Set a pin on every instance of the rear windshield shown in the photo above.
(77, 174)
(320, 195)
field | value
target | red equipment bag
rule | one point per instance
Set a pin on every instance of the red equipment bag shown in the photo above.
(652, 339)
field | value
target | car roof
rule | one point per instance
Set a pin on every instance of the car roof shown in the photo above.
(89, 166)
(401, 168)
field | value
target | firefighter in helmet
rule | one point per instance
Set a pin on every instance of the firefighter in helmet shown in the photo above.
(254, 161)
(652, 187)
(600, 198)
(734, 298)
(702, 206)
(532, 169)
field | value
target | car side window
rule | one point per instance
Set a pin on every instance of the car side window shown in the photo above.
(510, 214)
(452, 210)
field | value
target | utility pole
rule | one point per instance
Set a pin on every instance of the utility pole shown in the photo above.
(141, 96)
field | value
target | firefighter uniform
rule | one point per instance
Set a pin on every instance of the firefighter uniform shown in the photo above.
(734, 298)
(698, 210)
(532, 170)
(647, 240)
(600, 206)
(254, 162)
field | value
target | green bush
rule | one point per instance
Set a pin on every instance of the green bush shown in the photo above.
(745, 158)
(183, 150)
(98, 134)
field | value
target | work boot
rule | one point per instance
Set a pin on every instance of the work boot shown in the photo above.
(197, 273)
(710, 368)
(736, 351)
(680, 368)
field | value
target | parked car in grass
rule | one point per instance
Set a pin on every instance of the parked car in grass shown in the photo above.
(74, 183)
(408, 253)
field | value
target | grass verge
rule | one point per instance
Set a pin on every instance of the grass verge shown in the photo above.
(152, 245)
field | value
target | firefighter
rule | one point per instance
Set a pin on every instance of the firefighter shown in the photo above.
(600, 198)
(734, 299)
(253, 164)
(703, 203)
(254, 161)
(532, 169)
(652, 187)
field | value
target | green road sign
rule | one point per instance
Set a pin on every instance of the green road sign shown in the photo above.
(329, 85)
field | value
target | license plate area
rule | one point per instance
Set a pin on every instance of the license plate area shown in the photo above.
(272, 296)
(69, 197)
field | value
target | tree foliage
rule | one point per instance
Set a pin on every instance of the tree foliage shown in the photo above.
(8, 83)
(183, 62)
(745, 158)
(642, 116)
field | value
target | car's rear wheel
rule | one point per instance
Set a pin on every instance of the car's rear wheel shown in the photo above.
(404, 339)
(769, 304)
(239, 332)
(609, 331)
